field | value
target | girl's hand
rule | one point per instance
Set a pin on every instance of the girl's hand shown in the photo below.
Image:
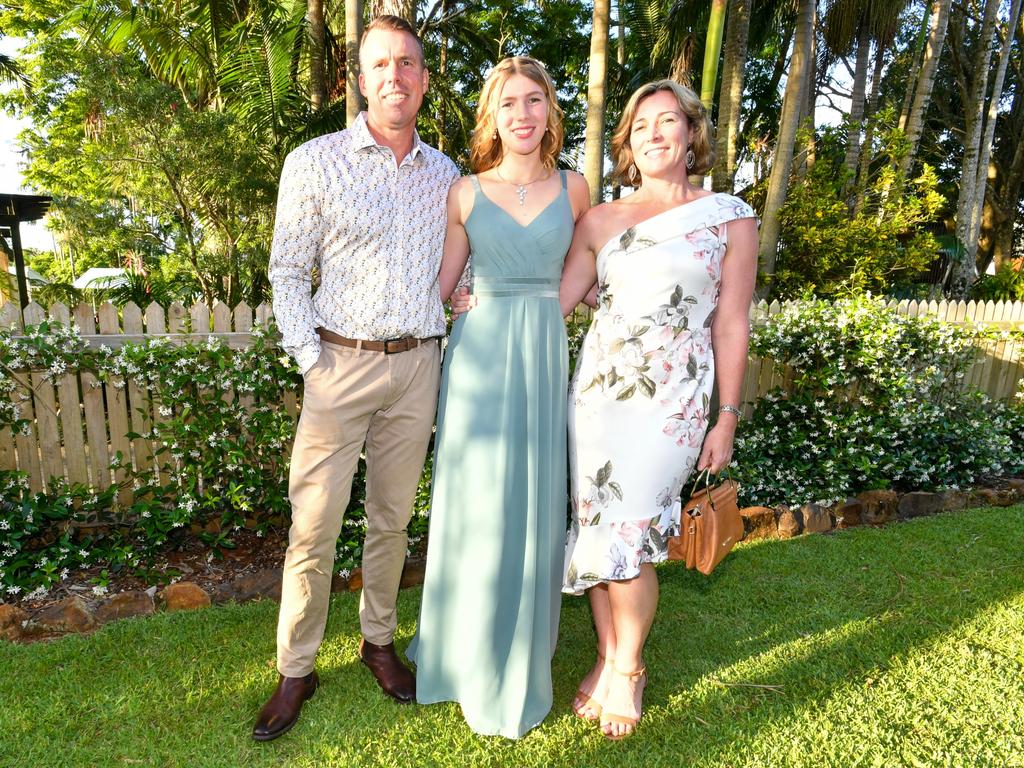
(461, 301)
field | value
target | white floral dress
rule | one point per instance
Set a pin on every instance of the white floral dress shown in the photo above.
(638, 404)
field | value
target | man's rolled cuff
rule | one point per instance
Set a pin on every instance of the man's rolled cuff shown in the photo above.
(306, 357)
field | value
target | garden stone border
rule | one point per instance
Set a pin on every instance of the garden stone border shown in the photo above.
(77, 614)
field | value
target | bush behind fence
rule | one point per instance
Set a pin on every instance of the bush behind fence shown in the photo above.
(162, 426)
(77, 423)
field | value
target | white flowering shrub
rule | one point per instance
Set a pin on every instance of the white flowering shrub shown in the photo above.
(221, 443)
(875, 401)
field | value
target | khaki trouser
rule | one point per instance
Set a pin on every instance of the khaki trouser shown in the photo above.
(353, 397)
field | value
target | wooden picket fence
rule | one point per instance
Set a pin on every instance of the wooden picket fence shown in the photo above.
(77, 424)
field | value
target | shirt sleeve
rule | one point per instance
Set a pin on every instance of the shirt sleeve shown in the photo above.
(298, 238)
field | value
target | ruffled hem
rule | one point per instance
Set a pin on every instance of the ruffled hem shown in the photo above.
(597, 554)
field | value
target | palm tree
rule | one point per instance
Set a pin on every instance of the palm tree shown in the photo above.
(10, 72)
(353, 32)
(850, 25)
(317, 49)
(404, 8)
(593, 147)
(980, 131)
(731, 97)
(792, 105)
(712, 50)
(923, 88)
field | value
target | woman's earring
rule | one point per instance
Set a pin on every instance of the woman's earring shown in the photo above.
(690, 159)
(633, 173)
(495, 136)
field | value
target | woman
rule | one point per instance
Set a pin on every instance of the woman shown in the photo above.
(675, 266)
(489, 616)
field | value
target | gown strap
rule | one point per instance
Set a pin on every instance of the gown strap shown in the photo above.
(475, 182)
(565, 183)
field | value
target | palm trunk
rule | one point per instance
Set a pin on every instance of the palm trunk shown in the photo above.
(317, 47)
(353, 31)
(806, 153)
(442, 70)
(731, 99)
(864, 172)
(972, 199)
(915, 68)
(966, 271)
(1007, 184)
(593, 146)
(857, 102)
(778, 183)
(923, 92)
(712, 52)
(620, 57)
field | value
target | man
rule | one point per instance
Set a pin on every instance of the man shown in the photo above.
(366, 207)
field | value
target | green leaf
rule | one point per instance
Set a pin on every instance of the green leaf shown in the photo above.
(626, 393)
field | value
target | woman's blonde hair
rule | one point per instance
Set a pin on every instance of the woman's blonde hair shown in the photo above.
(485, 149)
(625, 172)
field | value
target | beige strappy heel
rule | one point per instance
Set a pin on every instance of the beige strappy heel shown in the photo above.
(588, 700)
(611, 717)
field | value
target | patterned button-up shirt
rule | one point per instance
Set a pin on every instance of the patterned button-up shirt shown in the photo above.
(373, 228)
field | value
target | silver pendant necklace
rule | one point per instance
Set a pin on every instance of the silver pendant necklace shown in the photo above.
(520, 188)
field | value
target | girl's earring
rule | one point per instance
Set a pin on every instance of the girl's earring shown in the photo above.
(690, 159)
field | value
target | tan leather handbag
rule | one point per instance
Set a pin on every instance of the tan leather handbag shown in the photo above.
(709, 526)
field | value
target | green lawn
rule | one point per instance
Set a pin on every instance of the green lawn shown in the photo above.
(901, 646)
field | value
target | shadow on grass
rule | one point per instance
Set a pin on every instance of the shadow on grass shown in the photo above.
(778, 629)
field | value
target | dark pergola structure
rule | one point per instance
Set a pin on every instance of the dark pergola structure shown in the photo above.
(14, 209)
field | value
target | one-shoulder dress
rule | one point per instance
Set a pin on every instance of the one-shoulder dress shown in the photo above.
(638, 405)
(491, 595)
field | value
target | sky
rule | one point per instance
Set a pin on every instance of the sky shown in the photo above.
(32, 235)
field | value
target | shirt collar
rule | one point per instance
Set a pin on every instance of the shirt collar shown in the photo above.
(362, 139)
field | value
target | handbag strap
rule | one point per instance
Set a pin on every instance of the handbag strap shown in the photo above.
(706, 475)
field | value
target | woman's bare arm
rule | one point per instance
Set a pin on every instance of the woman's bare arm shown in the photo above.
(730, 337)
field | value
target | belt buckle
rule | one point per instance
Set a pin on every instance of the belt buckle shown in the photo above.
(394, 341)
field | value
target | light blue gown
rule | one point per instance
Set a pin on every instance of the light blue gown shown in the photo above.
(489, 616)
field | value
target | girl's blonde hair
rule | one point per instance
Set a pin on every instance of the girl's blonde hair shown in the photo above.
(485, 149)
(625, 172)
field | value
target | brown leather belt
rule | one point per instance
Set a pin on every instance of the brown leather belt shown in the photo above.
(388, 346)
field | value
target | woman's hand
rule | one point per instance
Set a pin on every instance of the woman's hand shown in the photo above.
(717, 450)
(462, 301)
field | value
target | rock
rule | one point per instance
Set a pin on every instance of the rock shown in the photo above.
(879, 506)
(759, 523)
(253, 586)
(954, 501)
(70, 615)
(848, 513)
(789, 522)
(990, 497)
(125, 605)
(413, 573)
(184, 596)
(339, 583)
(816, 518)
(920, 504)
(11, 620)
(355, 581)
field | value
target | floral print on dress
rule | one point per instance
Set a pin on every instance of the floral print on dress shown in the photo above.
(639, 402)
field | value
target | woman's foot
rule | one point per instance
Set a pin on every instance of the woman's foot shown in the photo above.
(623, 706)
(593, 690)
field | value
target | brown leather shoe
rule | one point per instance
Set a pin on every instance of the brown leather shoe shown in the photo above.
(281, 711)
(394, 678)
